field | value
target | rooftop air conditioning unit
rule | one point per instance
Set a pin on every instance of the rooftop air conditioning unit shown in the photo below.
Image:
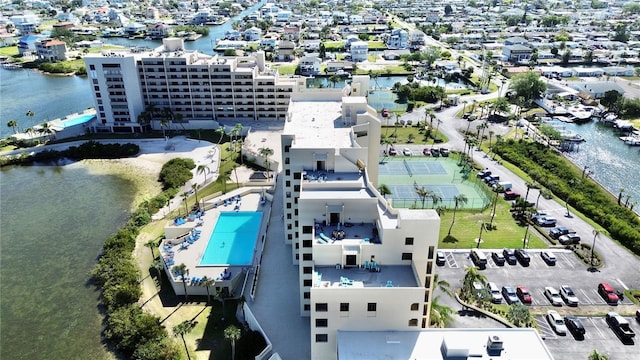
(494, 345)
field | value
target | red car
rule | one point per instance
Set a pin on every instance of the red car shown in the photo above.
(385, 112)
(393, 152)
(524, 295)
(608, 294)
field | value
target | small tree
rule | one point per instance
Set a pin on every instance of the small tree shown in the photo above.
(203, 169)
(208, 283)
(232, 333)
(182, 271)
(266, 153)
(595, 355)
(384, 190)
(460, 199)
(182, 329)
(519, 314)
(13, 124)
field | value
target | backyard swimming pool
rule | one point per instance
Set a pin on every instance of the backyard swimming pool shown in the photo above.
(233, 239)
(81, 119)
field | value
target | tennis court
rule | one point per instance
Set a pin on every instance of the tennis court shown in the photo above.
(380, 99)
(411, 168)
(442, 176)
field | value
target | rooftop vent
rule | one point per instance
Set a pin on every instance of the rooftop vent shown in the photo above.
(494, 345)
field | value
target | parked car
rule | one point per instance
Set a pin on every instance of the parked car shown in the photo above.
(509, 295)
(546, 221)
(606, 291)
(493, 289)
(548, 257)
(568, 295)
(483, 173)
(511, 195)
(619, 325)
(385, 112)
(498, 258)
(406, 152)
(393, 151)
(558, 231)
(574, 325)
(524, 295)
(426, 152)
(556, 322)
(444, 152)
(440, 258)
(491, 179)
(569, 239)
(638, 315)
(435, 152)
(510, 256)
(553, 296)
(523, 257)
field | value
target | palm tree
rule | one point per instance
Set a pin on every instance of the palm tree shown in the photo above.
(519, 314)
(30, 114)
(182, 329)
(195, 188)
(499, 188)
(544, 193)
(439, 315)
(208, 283)
(437, 128)
(237, 131)
(224, 177)
(13, 124)
(443, 285)
(266, 152)
(384, 190)
(622, 190)
(232, 333)
(388, 142)
(203, 169)
(423, 194)
(472, 275)
(530, 185)
(235, 173)
(158, 265)
(166, 116)
(221, 133)
(182, 271)
(460, 199)
(595, 355)
(491, 132)
(151, 244)
(185, 196)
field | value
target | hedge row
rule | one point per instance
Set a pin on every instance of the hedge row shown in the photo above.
(559, 176)
(87, 150)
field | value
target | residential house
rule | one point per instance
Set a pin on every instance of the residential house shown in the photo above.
(335, 66)
(597, 89)
(252, 34)
(291, 33)
(233, 35)
(516, 53)
(399, 39)
(27, 44)
(51, 50)
(395, 54)
(359, 51)
(159, 31)
(285, 50)
(134, 28)
(310, 65)
(516, 40)
(619, 71)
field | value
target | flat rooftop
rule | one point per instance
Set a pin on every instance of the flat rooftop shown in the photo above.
(399, 275)
(520, 343)
(317, 124)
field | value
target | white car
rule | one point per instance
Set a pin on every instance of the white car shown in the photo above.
(553, 295)
(568, 295)
(406, 152)
(494, 290)
(556, 322)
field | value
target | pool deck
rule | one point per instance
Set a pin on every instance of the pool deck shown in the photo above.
(191, 256)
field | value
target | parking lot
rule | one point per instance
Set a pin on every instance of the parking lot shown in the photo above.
(569, 270)
(597, 335)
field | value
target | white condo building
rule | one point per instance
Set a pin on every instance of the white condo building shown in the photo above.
(198, 89)
(363, 265)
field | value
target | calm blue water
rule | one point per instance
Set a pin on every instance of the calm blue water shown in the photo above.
(77, 120)
(54, 221)
(233, 239)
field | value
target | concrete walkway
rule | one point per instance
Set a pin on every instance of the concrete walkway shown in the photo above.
(276, 305)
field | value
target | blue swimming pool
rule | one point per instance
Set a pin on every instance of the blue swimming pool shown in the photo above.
(233, 239)
(77, 120)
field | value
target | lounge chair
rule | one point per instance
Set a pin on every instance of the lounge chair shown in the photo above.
(366, 265)
(389, 283)
(345, 281)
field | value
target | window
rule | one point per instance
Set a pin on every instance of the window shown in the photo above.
(307, 229)
(344, 306)
(297, 175)
(306, 243)
(307, 307)
(322, 323)
(414, 307)
(287, 172)
(288, 205)
(408, 241)
(372, 306)
(306, 295)
(289, 227)
(307, 282)
(288, 216)
(288, 194)
(307, 270)
(296, 188)
(431, 251)
(287, 183)
(307, 257)
(322, 338)
(322, 307)
(407, 256)
(413, 322)
(289, 237)
(286, 148)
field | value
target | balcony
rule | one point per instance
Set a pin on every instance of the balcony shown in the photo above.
(390, 276)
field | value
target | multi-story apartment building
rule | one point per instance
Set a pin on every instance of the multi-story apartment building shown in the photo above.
(198, 89)
(363, 265)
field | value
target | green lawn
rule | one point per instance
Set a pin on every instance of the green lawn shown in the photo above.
(9, 51)
(376, 45)
(402, 135)
(467, 228)
(286, 69)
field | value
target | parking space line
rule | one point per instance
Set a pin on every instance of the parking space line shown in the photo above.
(451, 260)
(586, 297)
(568, 261)
(542, 302)
(595, 326)
(600, 299)
(547, 331)
(622, 284)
